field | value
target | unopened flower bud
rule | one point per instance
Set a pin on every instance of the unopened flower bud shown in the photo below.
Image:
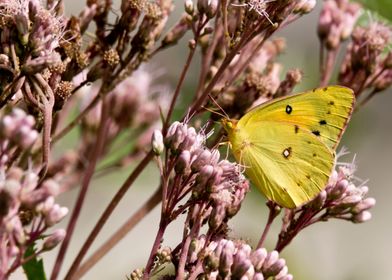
(202, 160)
(45, 206)
(212, 8)
(319, 201)
(271, 258)
(12, 187)
(192, 44)
(241, 265)
(305, 6)
(189, 7)
(204, 175)
(29, 139)
(51, 187)
(339, 189)
(275, 268)
(54, 239)
(350, 200)
(226, 258)
(157, 142)
(362, 217)
(257, 257)
(286, 277)
(217, 216)
(183, 162)
(56, 214)
(365, 204)
(283, 273)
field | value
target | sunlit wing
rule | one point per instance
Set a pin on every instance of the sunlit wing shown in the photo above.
(323, 112)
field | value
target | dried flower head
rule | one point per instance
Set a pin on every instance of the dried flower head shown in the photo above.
(337, 20)
(366, 65)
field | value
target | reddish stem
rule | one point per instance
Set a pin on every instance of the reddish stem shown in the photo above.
(273, 213)
(328, 68)
(155, 247)
(107, 213)
(146, 208)
(83, 191)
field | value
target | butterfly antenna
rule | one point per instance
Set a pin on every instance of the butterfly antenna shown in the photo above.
(214, 112)
(225, 115)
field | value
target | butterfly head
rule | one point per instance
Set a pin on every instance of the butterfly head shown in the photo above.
(229, 125)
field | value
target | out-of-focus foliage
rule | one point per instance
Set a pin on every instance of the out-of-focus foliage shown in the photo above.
(381, 7)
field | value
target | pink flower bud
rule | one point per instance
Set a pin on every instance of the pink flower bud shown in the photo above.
(157, 142)
(257, 257)
(54, 239)
(241, 265)
(183, 162)
(283, 273)
(212, 8)
(271, 258)
(189, 7)
(319, 201)
(226, 258)
(365, 204)
(55, 215)
(217, 216)
(362, 217)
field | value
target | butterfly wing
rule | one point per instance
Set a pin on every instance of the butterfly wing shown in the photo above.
(323, 112)
(290, 166)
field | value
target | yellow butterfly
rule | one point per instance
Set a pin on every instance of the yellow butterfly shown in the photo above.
(288, 145)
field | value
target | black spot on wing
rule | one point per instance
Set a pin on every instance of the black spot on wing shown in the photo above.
(331, 103)
(296, 128)
(325, 89)
(289, 109)
(316, 132)
(314, 155)
(286, 153)
(323, 122)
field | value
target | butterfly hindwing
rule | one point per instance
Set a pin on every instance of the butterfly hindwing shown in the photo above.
(290, 167)
(323, 112)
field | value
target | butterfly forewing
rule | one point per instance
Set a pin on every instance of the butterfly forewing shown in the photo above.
(323, 112)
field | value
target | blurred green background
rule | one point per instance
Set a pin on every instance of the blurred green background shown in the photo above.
(334, 250)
